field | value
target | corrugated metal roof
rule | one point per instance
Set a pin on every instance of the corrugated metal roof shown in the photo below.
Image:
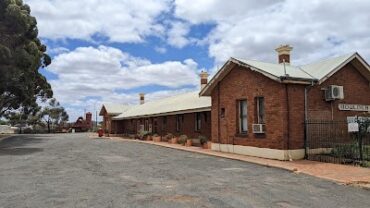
(317, 71)
(115, 109)
(188, 102)
(322, 68)
(277, 70)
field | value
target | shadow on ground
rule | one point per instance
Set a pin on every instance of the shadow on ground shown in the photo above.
(17, 145)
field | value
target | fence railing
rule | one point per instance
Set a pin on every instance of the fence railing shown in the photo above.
(330, 141)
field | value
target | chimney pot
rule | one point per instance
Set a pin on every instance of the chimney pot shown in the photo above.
(142, 98)
(203, 79)
(284, 53)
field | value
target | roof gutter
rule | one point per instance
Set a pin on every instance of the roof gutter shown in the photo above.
(295, 80)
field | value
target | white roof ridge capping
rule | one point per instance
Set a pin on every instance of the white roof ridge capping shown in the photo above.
(306, 74)
(183, 103)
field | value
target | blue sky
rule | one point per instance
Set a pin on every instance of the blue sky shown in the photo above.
(108, 51)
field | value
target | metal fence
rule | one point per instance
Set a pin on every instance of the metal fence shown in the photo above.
(330, 141)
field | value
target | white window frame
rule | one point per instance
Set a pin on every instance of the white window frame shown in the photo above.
(259, 119)
(243, 117)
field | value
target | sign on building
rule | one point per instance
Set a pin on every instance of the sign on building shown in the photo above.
(354, 107)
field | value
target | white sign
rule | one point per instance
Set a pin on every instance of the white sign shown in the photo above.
(353, 107)
(355, 119)
(353, 127)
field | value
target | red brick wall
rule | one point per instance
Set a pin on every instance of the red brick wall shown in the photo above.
(187, 127)
(106, 126)
(241, 83)
(356, 91)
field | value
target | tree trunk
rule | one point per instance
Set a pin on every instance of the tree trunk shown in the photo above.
(49, 127)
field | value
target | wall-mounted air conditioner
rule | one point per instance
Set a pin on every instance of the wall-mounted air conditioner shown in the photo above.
(258, 128)
(334, 92)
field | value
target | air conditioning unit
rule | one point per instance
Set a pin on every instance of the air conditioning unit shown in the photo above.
(334, 92)
(258, 128)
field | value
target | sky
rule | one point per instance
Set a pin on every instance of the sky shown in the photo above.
(109, 51)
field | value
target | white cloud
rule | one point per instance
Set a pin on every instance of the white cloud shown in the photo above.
(120, 21)
(161, 50)
(89, 75)
(216, 11)
(57, 50)
(252, 29)
(177, 34)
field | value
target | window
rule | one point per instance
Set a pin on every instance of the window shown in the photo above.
(178, 122)
(260, 103)
(243, 119)
(198, 121)
(164, 123)
(146, 125)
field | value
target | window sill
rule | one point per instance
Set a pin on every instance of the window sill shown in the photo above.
(243, 135)
(260, 135)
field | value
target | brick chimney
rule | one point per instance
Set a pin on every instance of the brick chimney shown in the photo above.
(284, 53)
(89, 119)
(142, 98)
(203, 79)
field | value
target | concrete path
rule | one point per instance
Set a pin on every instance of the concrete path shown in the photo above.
(73, 170)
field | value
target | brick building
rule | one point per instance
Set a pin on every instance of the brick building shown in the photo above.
(259, 108)
(83, 125)
(108, 111)
(187, 114)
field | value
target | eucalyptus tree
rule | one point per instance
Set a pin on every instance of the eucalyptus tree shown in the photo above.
(21, 56)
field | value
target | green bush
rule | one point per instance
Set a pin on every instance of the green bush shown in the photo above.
(346, 151)
(182, 139)
(202, 139)
(143, 134)
(167, 137)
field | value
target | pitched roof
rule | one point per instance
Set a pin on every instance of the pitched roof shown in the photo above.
(184, 103)
(114, 109)
(323, 69)
(306, 74)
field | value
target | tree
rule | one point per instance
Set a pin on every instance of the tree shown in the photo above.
(54, 114)
(21, 56)
(25, 116)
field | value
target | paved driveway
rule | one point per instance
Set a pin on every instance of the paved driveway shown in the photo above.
(77, 171)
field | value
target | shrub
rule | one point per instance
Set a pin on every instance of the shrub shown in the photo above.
(202, 139)
(143, 134)
(182, 139)
(167, 137)
(155, 135)
(345, 151)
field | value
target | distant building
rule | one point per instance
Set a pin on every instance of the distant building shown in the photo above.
(83, 125)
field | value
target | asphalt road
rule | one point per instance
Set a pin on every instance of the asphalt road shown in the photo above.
(72, 170)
